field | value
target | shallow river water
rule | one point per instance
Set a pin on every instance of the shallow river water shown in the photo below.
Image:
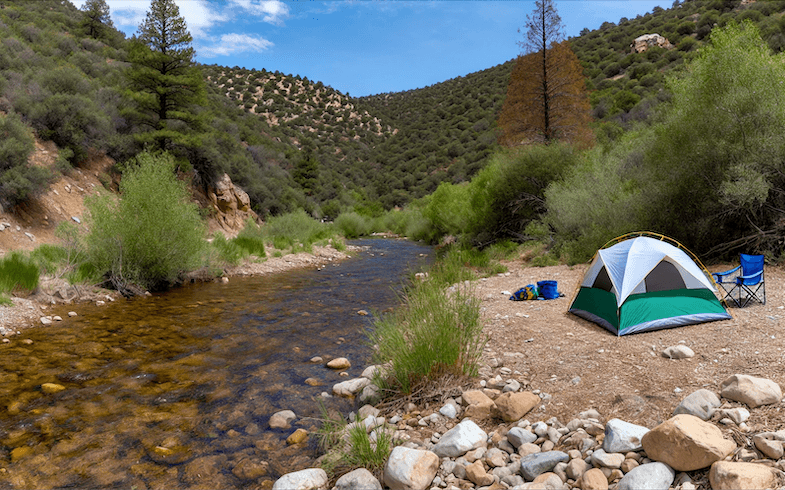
(176, 390)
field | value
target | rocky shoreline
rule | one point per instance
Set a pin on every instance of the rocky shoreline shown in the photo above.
(485, 439)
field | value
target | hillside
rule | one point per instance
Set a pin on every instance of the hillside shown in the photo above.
(295, 143)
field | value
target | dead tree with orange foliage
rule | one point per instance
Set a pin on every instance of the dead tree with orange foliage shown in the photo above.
(546, 96)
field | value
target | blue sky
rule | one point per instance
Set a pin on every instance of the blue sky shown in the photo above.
(364, 47)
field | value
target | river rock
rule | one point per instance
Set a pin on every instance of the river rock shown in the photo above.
(51, 388)
(410, 469)
(351, 387)
(519, 436)
(512, 406)
(297, 437)
(678, 352)
(359, 479)
(460, 439)
(449, 410)
(476, 473)
(594, 479)
(750, 390)
(478, 405)
(339, 363)
(701, 404)
(686, 443)
(737, 414)
(46, 320)
(652, 476)
(282, 419)
(310, 479)
(600, 458)
(576, 468)
(622, 437)
(770, 443)
(547, 481)
(249, 470)
(726, 475)
(536, 464)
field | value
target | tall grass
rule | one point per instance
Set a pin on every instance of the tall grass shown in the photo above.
(437, 331)
(17, 272)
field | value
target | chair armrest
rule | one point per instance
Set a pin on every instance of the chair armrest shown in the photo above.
(719, 275)
(751, 276)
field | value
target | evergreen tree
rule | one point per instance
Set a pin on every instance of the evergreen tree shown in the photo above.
(546, 97)
(96, 18)
(164, 82)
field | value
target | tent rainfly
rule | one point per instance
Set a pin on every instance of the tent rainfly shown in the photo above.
(643, 284)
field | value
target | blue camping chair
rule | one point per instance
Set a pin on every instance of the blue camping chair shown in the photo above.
(746, 279)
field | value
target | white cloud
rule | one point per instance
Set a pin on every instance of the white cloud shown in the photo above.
(235, 43)
(271, 11)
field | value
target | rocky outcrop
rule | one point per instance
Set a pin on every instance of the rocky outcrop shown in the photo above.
(646, 41)
(231, 204)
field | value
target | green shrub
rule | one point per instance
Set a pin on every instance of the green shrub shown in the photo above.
(437, 331)
(49, 258)
(296, 230)
(153, 234)
(228, 251)
(18, 272)
(353, 225)
(18, 181)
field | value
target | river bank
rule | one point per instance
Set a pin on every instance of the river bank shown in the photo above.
(27, 312)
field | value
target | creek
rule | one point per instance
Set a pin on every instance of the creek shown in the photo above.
(176, 390)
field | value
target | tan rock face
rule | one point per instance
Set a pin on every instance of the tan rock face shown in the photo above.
(232, 204)
(686, 443)
(513, 406)
(726, 475)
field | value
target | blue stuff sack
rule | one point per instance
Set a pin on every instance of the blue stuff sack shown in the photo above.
(527, 292)
(548, 289)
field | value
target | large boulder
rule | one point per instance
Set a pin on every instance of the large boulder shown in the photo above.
(460, 439)
(750, 390)
(686, 443)
(727, 475)
(410, 469)
(646, 41)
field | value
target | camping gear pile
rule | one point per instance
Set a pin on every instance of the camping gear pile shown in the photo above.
(645, 283)
(543, 290)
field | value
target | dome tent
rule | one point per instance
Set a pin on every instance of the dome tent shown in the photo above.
(643, 283)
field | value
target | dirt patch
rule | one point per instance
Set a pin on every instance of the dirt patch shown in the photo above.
(582, 365)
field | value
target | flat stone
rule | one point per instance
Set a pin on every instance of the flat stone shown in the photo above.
(297, 437)
(351, 387)
(770, 443)
(51, 388)
(536, 464)
(750, 390)
(518, 436)
(476, 473)
(512, 406)
(600, 458)
(478, 405)
(678, 352)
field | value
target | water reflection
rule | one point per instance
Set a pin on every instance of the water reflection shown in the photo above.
(175, 391)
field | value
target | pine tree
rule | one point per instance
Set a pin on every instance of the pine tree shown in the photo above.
(546, 96)
(164, 82)
(96, 18)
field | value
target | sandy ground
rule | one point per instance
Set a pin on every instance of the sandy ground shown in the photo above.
(583, 366)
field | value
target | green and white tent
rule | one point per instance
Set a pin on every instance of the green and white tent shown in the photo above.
(643, 283)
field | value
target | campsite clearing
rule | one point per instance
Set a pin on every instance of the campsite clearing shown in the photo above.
(582, 365)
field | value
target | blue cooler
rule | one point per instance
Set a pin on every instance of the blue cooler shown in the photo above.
(548, 289)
